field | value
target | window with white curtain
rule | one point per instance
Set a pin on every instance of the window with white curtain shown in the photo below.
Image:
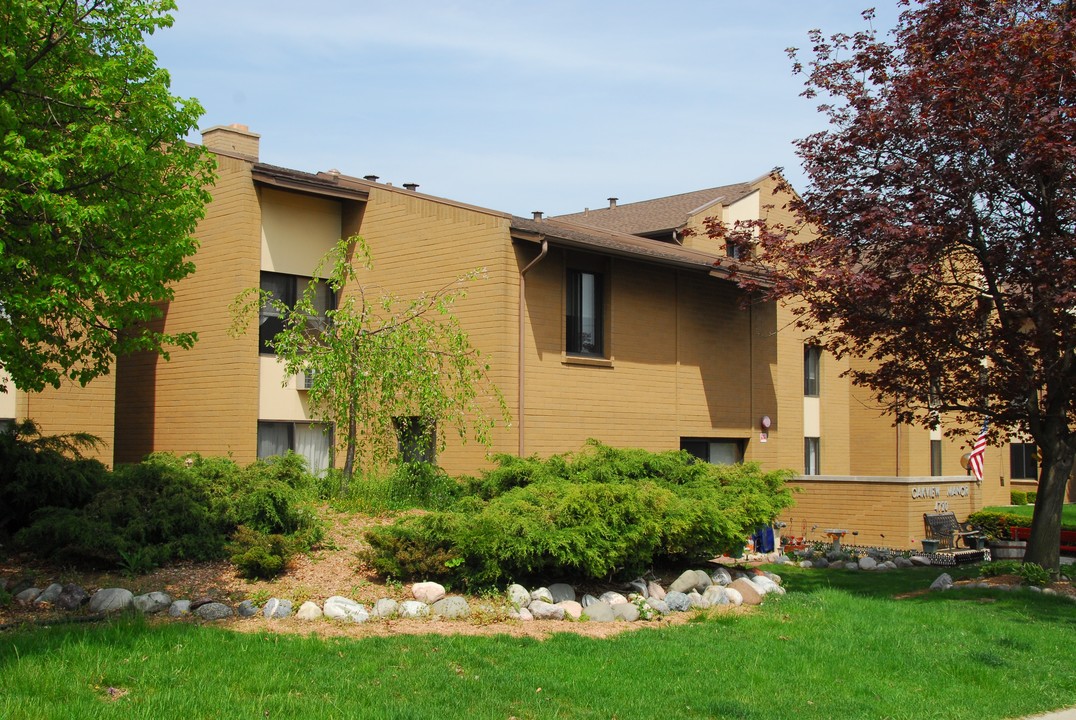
(311, 440)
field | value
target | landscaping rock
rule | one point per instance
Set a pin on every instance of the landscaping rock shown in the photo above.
(49, 595)
(246, 609)
(715, 595)
(677, 601)
(806, 564)
(179, 608)
(518, 596)
(572, 609)
(588, 600)
(204, 600)
(748, 591)
(626, 612)
(851, 566)
(543, 610)
(820, 562)
(655, 591)
(276, 608)
(734, 596)
(600, 612)
(213, 611)
(72, 597)
(309, 611)
(413, 609)
(26, 597)
(867, 563)
(920, 560)
(562, 592)
(697, 601)
(613, 598)
(386, 608)
(542, 594)
(428, 592)
(685, 583)
(525, 614)
(659, 605)
(943, 582)
(151, 603)
(111, 600)
(704, 581)
(452, 607)
(902, 562)
(342, 608)
(639, 586)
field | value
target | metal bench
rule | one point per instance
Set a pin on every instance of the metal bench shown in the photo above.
(948, 531)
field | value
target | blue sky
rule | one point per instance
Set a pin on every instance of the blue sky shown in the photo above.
(512, 105)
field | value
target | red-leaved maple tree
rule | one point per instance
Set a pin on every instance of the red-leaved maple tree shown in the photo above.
(944, 197)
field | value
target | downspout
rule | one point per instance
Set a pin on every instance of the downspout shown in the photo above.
(522, 420)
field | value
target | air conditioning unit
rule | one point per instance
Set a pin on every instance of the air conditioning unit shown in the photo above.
(304, 380)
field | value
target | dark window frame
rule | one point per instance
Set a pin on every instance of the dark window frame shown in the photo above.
(701, 448)
(416, 438)
(812, 370)
(936, 458)
(1023, 461)
(809, 467)
(269, 322)
(575, 342)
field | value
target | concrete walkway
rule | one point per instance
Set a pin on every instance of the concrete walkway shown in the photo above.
(1069, 714)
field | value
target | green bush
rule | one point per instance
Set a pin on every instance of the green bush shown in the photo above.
(996, 524)
(407, 486)
(1029, 573)
(603, 512)
(1017, 497)
(168, 508)
(1032, 496)
(258, 555)
(38, 471)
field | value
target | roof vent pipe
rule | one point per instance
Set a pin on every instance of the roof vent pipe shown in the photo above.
(612, 202)
(411, 186)
(371, 178)
(538, 215)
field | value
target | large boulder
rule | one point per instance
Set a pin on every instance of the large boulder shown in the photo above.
(386, 608)
(677, 601)
(309, 610)
(275, 608)
(600, 611)
(179, 608)
(721, 576)
(655, 591)
(451, 607)
(627, 612)
(685, 583)
(413, 609)
(571, 608)
(72, 597)
(943, 582)
(518, 596)
(428, 592)
(153, 602)
(342, 608)
(748, 591)
(542, 610)
(213, 611)
(49, 595)
(562, 592)
(110, 600)
(542, 594)
(613, 598)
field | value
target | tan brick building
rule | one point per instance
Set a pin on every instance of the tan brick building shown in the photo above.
(613, 324)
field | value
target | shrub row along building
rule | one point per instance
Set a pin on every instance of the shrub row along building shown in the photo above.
(619, 324)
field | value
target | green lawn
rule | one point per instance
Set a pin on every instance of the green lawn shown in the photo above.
(1068, 512)
(837, 646)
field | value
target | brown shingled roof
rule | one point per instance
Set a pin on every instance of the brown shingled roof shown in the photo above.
(569, 234)
(651, 216)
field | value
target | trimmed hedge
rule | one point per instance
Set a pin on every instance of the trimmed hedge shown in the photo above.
(1017, 497)
(601, 513)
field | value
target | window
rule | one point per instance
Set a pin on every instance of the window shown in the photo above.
(718, 451)
(1023, 461)
(935, 458)
(311, 440)
(416, 438)
(584, 317)
(811, 462)
(812, 358)
(287, 289)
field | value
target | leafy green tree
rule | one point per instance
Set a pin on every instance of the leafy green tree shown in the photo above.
(380, 366)
(99, 194)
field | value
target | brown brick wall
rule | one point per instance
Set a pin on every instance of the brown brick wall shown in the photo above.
(72, 408)
(204, 399)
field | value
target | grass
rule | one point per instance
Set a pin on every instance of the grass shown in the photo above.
(838, 645)
(1068, 512)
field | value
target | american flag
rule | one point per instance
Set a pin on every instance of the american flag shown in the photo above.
(975, 460)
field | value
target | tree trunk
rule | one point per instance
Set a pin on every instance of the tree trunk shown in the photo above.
(349, 457)
(1044, 545)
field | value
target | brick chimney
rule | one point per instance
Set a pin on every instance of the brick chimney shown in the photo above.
(234, 139)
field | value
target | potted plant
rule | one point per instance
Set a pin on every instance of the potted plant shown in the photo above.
(930, 545)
